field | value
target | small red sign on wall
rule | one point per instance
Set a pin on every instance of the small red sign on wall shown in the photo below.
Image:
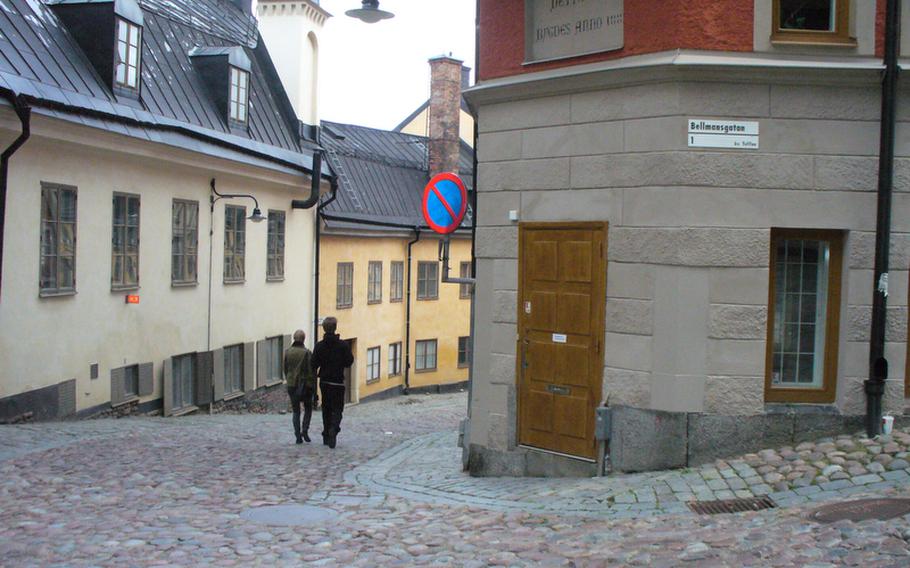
(132, 298)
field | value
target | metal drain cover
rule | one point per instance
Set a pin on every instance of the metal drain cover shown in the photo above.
(288, 515)
(862, 510)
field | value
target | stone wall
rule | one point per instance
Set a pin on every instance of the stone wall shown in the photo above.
(688, 251)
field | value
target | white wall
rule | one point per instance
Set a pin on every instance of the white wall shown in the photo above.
(44, 341)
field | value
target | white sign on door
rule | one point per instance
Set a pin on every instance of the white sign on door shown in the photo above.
(737, 135)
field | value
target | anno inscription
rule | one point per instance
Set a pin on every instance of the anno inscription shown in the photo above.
(556, 29)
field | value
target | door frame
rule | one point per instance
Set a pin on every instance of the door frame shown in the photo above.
(598, 322)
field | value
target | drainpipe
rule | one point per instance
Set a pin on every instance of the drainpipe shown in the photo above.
(319, 209)
(407, 321)
(878, 365)
(24, 112)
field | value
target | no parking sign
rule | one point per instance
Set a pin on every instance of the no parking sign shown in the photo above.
(445, 201)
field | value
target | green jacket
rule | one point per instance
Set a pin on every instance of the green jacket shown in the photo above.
(297, 366)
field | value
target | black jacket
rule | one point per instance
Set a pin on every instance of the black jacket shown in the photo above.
(330, 358)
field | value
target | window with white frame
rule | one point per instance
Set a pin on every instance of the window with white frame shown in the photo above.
(425, 357)
(374, 282)
(373, 355)
(125, 242)
(464, 290)
(234, 243)
(396, 281)
(394, 359)
(58, 240)
(184, 378)
(344, 288)
(239, 101)
(275, 354)
(184, 241)
(129, 49)
(427, 280)
(275, 246)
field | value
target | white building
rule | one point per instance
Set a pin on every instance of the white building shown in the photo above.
(126, 280)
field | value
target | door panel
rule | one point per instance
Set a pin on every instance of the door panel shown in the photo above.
(562, 292)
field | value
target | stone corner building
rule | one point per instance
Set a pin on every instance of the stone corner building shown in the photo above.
(695, 189)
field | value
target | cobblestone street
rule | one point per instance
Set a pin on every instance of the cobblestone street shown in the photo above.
(151, 491)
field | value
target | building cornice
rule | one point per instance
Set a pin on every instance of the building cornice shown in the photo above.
(271, 8)
(678, 65)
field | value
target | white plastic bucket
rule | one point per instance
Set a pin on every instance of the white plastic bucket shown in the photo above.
(887, 425)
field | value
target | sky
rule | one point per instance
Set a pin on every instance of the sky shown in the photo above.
(377, 74)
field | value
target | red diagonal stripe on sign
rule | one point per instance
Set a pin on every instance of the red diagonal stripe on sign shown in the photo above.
(444, 202)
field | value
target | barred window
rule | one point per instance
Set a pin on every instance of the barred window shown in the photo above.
(427, 280)
(275, 268)
(125, 242)
(374, 282)
(234, 243)
(345, 285)
(184, 241)
(58, 240)
(464, 290)
(396, 281)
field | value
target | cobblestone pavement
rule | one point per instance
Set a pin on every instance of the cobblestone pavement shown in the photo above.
(150, 491)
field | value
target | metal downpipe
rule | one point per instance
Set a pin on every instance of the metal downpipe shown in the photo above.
(24, 112)
(407, 321)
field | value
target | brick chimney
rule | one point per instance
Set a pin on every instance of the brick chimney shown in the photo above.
(444, 114)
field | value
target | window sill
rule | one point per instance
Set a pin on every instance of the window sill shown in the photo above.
(428, 299)
(814, 42)
(425, 370)
(395, 301)
(130, 288)
(60, 294)
(394, 375)
(463, 366)
(345, 307)
(272, 384)
(234, 282)
(373, 302)
(184, 411)
(233, 395)
(372, 381)
(126, 401)
(274, 278)
(184, 284)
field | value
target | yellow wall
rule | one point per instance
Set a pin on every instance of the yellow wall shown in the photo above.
(382, 324)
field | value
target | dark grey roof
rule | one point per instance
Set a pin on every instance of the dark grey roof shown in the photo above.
(381, 176)
(40, 60)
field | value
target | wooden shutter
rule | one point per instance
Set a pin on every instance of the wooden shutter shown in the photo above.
(218, 377)
(262, 362)
(146, 379)
(118, 394)
(167, 387)
(203, 378)
(249, 368)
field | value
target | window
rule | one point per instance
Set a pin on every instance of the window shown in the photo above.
(128, 54)
(427, 280)
(233, 369)
(464, 351)
(464, 290)
(58, 240)
(234, 243)
(184, 373)
(374, 282)
(426, 355)
(275, 268)
(811, 21)
(396, 281)
(184, 241)
(240, 81)
(373, 364)
(395, 359)
(131, 381)
(125, 242)
(345, 285)
(803, 315)
(275, 355)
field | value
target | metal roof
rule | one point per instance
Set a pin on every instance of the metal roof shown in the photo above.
(381, 176)
(41, 60)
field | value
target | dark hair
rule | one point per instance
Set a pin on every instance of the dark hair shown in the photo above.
(329, 324)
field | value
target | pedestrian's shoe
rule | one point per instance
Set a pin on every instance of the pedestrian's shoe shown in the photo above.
(306, 438)
(332, 439)
(300, 440)
(325, 440)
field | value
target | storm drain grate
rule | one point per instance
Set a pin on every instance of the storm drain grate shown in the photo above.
(731, 505)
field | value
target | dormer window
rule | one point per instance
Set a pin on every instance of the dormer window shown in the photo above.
(239, 100)
(126, 73)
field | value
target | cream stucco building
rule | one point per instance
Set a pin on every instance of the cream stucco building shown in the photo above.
(132, 276)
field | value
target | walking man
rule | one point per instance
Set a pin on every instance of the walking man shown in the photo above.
(331, 357)
(301, 382)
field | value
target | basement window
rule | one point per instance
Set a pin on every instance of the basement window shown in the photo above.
(129, 47)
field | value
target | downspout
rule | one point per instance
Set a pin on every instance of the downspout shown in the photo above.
(319, 209)
(407, 320)
(24, 112)
(878, 365)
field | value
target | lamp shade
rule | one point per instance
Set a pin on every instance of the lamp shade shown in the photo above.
(370, 12)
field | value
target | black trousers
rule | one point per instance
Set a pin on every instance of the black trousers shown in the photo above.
(307, 398)
(332, 407)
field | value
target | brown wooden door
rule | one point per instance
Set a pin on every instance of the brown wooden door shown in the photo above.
(562, 268)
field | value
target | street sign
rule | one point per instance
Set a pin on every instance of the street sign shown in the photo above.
(445, 201)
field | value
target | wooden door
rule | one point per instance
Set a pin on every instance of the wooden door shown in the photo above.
(562, 290)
